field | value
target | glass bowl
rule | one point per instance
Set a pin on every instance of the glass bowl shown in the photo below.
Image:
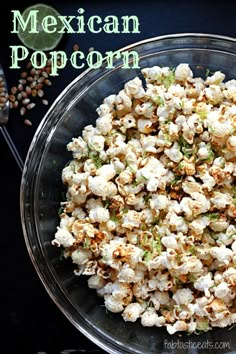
(41, 193)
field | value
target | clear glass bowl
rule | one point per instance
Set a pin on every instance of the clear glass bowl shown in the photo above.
(41, 192)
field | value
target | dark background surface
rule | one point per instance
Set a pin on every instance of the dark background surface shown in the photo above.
(31, 321)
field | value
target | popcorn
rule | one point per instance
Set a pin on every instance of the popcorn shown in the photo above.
(169, 242)
(135, 88)
(112, 304)
(149, 317)
(204, 283)
(214, 94)
(63, 238)
(178, 326)
(126, 274)
(96, 142)
(104, 124)
(183, 72)
(131, 220)
(81, 257)
(107, 172)
(223, 291)
(99, 186)
(174, 153)
(99, 215)
(144, 125)
(216, 78)
(123, 101)
(159, 202)
(150, 210)
(183, 296)
(222, 254)
(128, 121)
(96, 282)
(132, 312)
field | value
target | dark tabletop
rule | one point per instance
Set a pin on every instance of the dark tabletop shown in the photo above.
(31, 322)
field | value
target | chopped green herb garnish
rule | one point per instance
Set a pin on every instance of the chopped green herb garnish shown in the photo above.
(160, 101)
(210, 156)
(146, 198)
(202, 326)
(169, 79)
(192, 250)
(191, 278)
(234, 194)
(183, 143)
(68, 163)
(213, 216)
(96, 159)
(212, 287)
(202, 114)
(158, 244)
(166, 80)
(185, 147)
(176, 180)
(86, 243)
(181, 105)
(114, 218)
(143, 227)
(135, 182)
(125, 210)
(107, 203)
(63, 195)
(147, 256)
(186, 152)
(181, 165)
(139, 180)
(178, 257)
(130, 167)
(60, 211)
(61, 254)
(156, 221)
(209, 72)
(233, 326)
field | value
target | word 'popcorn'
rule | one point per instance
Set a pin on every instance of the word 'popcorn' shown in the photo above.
(151, 207)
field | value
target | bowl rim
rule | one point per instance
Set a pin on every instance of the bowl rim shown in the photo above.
(93, 337)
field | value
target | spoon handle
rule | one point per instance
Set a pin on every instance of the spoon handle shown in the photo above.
(12, 147)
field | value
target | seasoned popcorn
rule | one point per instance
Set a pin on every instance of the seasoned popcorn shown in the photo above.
(151, 202)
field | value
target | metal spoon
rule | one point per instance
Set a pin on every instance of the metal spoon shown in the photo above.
(4, 116)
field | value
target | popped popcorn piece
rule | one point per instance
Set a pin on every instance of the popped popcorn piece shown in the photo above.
(81, 257)
(222, 254)
(132, 312)
(176, 327)
(223, 291)
(63, 238)
(112, 304)
(183, 72)
(135, 88)
(216, 78)
(204, 283)
(99, 186)
(99, 215)
(183, 296)
(96, 282)
(149, 317)
(104, 124)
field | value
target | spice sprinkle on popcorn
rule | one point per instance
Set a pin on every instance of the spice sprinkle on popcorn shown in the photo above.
(151, 201)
